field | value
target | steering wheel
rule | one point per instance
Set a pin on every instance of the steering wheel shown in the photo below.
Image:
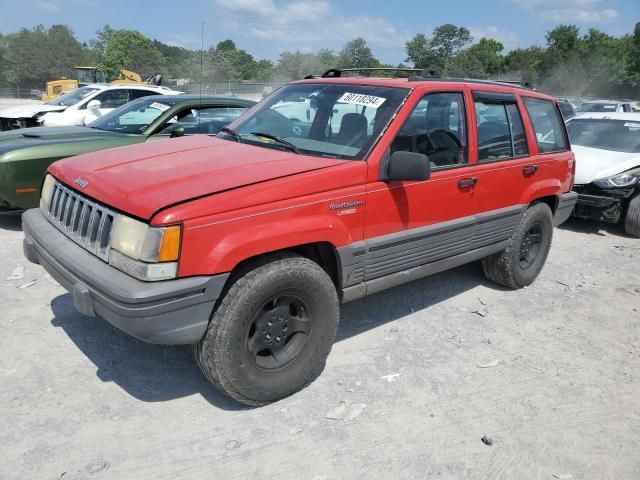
(449, 134)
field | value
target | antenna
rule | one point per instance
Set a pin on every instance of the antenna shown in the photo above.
(201, 71)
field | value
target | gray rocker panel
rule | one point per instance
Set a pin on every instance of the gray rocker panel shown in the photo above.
(372, 265)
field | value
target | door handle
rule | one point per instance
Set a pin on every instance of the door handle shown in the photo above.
(530, 170)
(467, 182)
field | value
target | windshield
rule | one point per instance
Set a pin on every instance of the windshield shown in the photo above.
(615, 135)
(133, 117)
(72, 97)
(328, 120)
(597, 107)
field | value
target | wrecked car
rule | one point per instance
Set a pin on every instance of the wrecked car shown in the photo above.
(607, 150)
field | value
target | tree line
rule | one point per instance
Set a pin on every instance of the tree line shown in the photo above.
(570, 63)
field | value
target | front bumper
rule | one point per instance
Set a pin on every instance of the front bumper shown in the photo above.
(565, 206)
(173, 312)
(601, 205)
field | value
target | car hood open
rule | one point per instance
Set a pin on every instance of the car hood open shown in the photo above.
(595, 164)
(143, 179)
(29, 111)
(30, 137)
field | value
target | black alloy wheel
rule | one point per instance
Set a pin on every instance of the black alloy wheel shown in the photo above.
(279, 332)
(530, 246)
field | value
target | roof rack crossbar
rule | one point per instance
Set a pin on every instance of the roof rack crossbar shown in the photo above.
(337, 72)
(510, 83)
(423, 75)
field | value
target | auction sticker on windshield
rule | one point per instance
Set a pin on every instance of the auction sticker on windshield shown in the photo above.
(362, 100)
(160, 106)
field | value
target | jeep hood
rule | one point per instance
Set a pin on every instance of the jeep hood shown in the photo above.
(29, 111)
(595, 164)
(142, 179)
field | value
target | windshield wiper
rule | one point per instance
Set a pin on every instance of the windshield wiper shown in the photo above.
(281, 141)
(236, 136)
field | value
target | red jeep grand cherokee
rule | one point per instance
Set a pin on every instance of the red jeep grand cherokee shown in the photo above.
(328, 190)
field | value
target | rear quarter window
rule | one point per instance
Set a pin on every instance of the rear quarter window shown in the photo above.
(547, 125)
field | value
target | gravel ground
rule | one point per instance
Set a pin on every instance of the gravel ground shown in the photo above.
(419, 375)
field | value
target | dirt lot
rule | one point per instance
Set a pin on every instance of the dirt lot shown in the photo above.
(550, 373)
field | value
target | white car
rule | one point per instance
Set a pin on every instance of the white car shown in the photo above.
(607, 179)
(77, 107)
(607, 106)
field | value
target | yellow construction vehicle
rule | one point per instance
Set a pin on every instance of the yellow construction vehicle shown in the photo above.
(85, 76)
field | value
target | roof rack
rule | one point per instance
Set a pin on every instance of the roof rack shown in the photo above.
(337, 72)
(423, 75)
(510, 83)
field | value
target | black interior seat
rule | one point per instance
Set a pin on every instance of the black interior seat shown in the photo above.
(353, 130)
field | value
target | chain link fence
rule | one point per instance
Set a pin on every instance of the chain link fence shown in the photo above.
(20, 93)
(253, 91)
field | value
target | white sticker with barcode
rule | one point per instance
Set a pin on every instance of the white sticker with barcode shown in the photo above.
(362, 100)
(159, 106)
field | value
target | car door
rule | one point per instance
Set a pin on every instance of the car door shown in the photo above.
(503, 168)
(412, 223)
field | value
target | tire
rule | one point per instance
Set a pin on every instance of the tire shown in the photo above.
(632, 218)
(511, 267)
(255, 349)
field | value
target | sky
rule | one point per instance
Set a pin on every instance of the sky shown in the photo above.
(266, 28)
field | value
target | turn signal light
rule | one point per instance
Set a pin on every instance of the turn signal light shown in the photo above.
(170, 245)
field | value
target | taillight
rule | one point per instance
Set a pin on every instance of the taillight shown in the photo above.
(572, 163)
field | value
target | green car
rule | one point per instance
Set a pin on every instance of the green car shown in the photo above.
(26, 154)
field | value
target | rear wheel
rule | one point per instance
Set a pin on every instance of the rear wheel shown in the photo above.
(632, 219)
(519, 264)
(272, 332)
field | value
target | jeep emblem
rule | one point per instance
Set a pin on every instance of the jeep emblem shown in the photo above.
(81, 182)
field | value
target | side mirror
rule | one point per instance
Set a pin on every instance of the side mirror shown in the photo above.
(177, 131)
(404, 166)
(94, 105)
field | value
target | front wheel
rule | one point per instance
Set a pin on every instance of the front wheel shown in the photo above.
(519, 264)
(632, 218)
(272, 332)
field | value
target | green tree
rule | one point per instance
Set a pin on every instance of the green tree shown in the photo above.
(489, 53)
(563, 39)
(420, 52)
(466, 65)
(356, 54)
(297, 65)
(438, 51)
(33, 57)
(227, 62)
(633, 58)
(100, 43)
(4, 65)
(448, 40)
(524, 64)
(131, 50)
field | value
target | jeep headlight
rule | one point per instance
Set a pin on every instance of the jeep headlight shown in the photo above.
(145, 252)
(47, 189)
(625, 179)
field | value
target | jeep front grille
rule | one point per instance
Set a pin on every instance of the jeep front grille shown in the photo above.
(82, 220)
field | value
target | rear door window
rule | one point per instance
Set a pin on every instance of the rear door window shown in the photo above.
(547, 125)
(501, 134)
(135, 93)
(111, 98)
